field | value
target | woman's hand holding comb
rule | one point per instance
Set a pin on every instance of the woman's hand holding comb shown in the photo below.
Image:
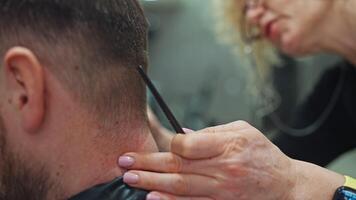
(228, 162)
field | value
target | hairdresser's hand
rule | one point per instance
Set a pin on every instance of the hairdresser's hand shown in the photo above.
(162, 136)
(230, 162)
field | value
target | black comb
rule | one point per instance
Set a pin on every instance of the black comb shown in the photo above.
(168, 113)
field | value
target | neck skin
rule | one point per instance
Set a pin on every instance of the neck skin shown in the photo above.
(78, 151)
(340, 30)
(89, 161)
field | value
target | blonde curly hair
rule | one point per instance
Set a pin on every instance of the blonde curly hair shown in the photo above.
(232, 29)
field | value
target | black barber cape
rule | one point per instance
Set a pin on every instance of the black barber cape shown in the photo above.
(115, 190)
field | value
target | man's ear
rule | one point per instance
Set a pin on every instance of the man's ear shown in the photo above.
(24, 77)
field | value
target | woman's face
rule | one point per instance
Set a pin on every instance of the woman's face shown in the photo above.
(295, 26)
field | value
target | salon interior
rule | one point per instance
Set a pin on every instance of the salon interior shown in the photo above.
(206, 83)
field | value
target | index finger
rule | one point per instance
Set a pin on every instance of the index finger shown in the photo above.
(207, 143)
(230, 127)
(197, 146)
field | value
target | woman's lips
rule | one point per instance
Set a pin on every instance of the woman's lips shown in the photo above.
(271, 30)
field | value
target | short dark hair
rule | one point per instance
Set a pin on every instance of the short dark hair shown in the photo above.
(92, 45)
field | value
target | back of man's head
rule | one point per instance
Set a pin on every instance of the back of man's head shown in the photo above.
(91, 46)
(70, 94)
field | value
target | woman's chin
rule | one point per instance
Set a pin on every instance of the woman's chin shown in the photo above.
(293, 45)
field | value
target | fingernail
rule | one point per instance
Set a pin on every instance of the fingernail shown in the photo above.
(131, 178)
(187, 130)
(153, 197)
(126, 161)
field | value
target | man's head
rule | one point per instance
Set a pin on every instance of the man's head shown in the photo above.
(68, 85)
(91, 46)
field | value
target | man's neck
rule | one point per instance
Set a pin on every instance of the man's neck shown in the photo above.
(95, 162)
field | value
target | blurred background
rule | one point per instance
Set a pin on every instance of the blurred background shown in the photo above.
(206, 84)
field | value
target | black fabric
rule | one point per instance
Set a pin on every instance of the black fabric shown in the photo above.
(115, 190)
(338, 134)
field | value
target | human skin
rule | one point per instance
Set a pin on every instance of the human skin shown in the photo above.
(307, 27)
(161, 135)
(69, 147)
(235, 161)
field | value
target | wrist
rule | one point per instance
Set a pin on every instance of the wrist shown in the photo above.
(314, 182)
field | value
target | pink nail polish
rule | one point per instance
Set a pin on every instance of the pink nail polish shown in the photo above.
(131, 178)
(153, 197)
(126, 161)
(187, 130)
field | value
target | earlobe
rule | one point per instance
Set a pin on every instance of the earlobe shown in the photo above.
(25, 80)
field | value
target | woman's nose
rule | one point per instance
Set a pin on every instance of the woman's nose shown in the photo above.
(250, 4)
(253, 11)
